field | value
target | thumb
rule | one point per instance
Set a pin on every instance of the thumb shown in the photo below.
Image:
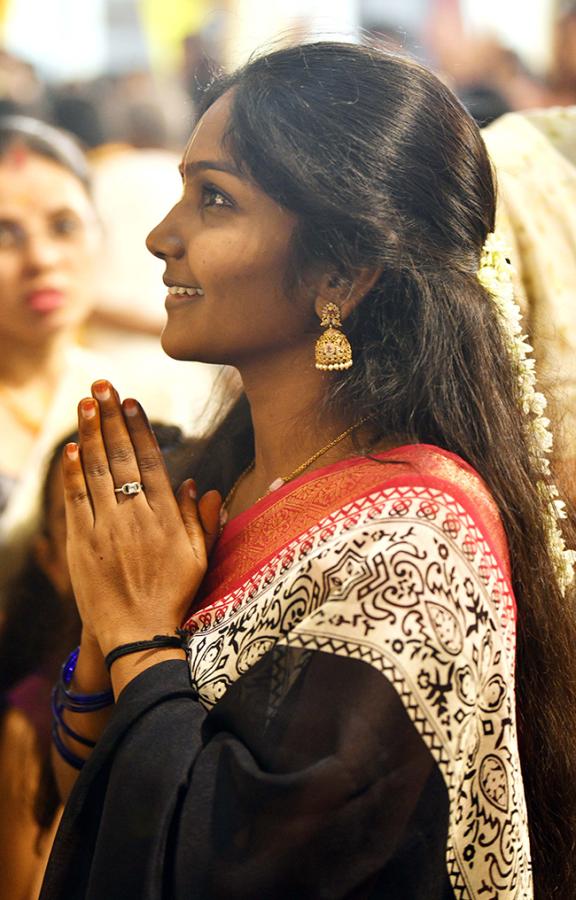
(186, 499)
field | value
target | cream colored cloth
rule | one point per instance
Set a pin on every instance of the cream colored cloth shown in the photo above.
(537, 215)
(80, 369)
(558, 124)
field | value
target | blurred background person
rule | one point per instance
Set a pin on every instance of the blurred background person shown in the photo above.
(39, 626)
(60, 255)
(21, 89)
(38, 616)
(563, 62)
(49, 242)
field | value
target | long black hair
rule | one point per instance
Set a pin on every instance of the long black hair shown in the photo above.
(383, 167)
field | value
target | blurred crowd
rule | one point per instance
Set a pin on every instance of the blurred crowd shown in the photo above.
(86, 170)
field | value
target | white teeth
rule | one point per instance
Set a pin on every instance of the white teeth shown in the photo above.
(190, 291)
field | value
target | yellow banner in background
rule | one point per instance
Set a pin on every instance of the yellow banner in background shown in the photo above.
(4, 6)
(166, 23)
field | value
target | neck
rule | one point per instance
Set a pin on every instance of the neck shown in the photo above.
(285, 396)
(24, 364)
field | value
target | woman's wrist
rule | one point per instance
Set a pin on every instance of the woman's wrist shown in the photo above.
(128, 634)
(90, 674)
(127, 668)
(82, 701)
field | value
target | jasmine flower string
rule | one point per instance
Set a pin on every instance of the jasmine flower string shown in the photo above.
(495, 274)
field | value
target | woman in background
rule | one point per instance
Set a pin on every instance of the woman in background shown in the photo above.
(40, 625)
(49, 238)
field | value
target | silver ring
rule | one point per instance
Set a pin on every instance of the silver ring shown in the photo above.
(130, 488)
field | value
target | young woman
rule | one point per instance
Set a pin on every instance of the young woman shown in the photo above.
(378, 696)
(49, 238)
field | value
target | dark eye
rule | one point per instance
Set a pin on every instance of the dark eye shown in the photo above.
(11, 234)
(64, 225)
(213, 197)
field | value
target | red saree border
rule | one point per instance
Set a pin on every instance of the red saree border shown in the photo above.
(251, 539)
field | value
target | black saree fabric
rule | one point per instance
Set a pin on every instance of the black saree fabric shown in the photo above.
(307, 780)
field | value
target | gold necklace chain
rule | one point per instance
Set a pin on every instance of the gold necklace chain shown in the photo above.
(278, 482)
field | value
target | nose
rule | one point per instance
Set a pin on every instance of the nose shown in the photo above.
(42, 252)
(164, 242)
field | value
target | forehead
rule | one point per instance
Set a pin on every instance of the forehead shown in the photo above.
(31, 180)
(206, 139)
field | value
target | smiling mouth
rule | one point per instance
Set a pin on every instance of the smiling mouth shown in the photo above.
(189, 291)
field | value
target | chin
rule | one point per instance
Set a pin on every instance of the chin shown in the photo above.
(176, 343)
(174, 347)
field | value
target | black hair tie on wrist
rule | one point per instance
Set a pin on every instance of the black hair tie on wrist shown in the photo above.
(159, 640)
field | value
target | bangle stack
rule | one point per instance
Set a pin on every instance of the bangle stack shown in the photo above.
(63, 698)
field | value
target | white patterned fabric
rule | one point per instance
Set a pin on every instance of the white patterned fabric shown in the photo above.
(405, 580)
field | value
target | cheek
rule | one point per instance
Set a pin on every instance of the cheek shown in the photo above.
(236, 261)
(80, 264)
(82, 253)
(10, 273)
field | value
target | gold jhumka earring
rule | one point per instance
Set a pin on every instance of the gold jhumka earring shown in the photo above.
(333, 350)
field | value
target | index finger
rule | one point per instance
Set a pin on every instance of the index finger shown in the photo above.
(151, 463)
(77, 505)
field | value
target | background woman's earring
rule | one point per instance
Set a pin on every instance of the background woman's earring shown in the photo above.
(333, 350)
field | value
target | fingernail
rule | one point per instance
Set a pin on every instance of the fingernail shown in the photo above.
(223, 516)
(102, 390)
(72, 451)
(130, 407)
(88, 408)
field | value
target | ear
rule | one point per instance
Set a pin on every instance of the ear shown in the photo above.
(346, 293)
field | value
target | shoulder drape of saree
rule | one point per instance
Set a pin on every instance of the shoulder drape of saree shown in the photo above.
(292, 514)
(400, 563)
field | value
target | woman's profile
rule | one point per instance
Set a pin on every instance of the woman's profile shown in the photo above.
(360, 685)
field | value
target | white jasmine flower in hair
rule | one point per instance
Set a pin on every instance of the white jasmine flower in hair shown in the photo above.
(539, 403)
(495, 274)
(560, 507)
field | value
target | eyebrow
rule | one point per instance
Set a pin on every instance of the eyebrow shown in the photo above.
(200, 165)
(10, 215)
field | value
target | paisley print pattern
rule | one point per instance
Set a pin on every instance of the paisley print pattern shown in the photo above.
(404, 580)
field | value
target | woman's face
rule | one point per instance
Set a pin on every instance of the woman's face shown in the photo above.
(231, 241)
(48, 243)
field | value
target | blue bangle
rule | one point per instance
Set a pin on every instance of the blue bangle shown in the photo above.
(69, 667)
(80, 702)
(71, 758)
(59, 721)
